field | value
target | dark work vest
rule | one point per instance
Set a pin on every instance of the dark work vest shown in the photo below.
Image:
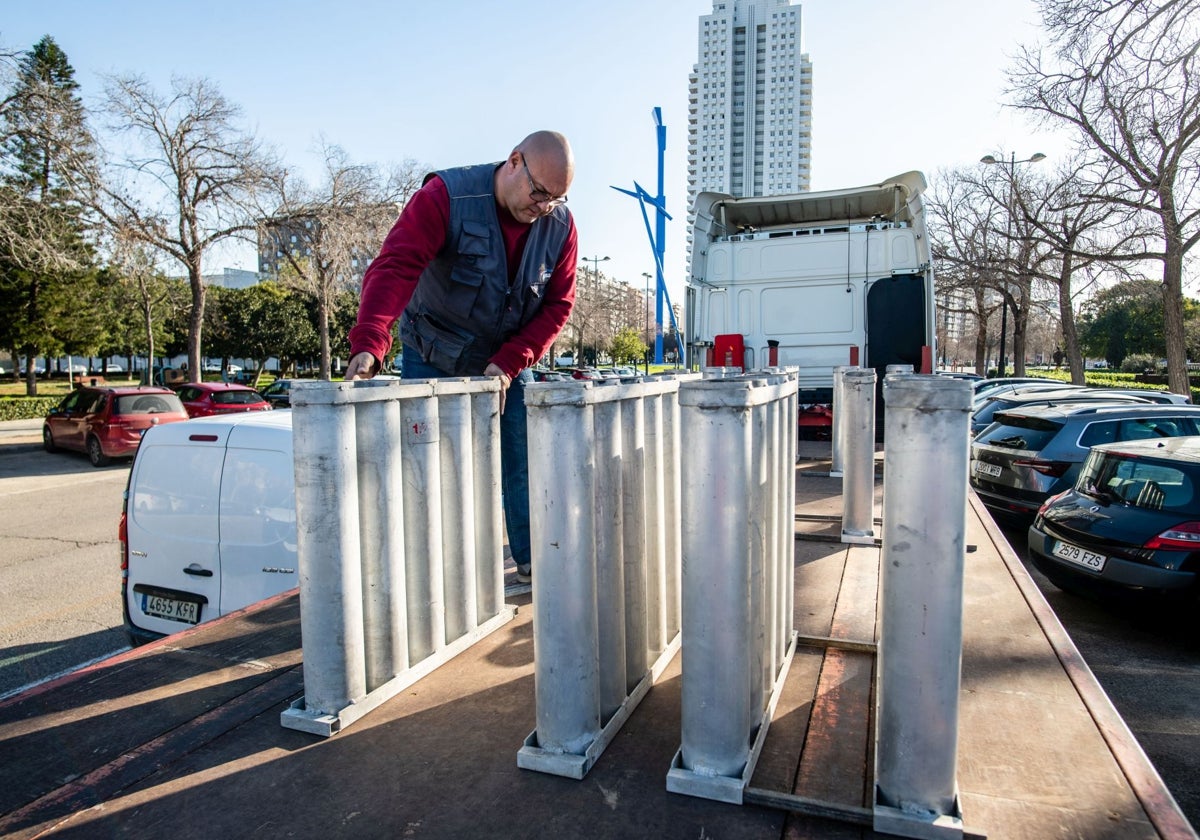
(464, 308)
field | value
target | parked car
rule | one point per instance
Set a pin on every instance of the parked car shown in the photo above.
(108, 422)
(960, 374)
(986, 412)
(209, 521)
(1130, 524)
(583, 373)
(1151, 395)
(205, 399)
(112, 367)
(1014, 388)
(625, 370)
(278, 393)
(982, 386)
(1030, 454)
(544, 375)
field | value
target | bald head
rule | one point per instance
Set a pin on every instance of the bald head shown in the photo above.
(536, 177)
(551, 149)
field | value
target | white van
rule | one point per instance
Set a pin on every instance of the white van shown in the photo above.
(208, 525)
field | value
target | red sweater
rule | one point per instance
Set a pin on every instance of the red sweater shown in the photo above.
(411, 245)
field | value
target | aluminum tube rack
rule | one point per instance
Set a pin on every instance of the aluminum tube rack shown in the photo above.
(858, 427)
(738, 641)
(921, 589)
(836, 464)
(399, 536)
(606, 560)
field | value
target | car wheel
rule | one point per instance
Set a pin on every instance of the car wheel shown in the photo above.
(95, 453)
(48, 440)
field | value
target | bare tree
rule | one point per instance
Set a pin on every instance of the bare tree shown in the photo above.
(1086, 233)
(133, 263)
(963, 224)
(1123, 73)
(602, 308)
(1019, 255)
(325, 236)
(188, 181)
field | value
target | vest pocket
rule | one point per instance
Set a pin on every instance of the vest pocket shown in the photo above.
(463, 289)
(445, 347)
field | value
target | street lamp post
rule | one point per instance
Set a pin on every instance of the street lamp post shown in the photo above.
(595, 261)
(1001, 365)
(646, 321)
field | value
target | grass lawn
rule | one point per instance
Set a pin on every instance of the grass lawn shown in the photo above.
(50, 387)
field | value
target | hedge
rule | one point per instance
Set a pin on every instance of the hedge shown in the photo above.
(1110, 379)
(26, 408)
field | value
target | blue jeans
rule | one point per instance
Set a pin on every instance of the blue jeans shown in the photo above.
(514, 452)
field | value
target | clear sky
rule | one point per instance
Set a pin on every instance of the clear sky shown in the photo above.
(896, 86)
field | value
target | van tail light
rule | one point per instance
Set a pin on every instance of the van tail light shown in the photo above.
(1185, 536)
(1051, 500)
(1054, 469)
(123, 536)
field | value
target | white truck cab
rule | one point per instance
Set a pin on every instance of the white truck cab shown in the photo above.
(815, 280)
(208, 524)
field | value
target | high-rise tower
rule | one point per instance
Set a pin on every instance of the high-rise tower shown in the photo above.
(750, 102)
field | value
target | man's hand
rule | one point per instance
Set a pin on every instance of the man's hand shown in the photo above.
(361, 366)
(505, 380)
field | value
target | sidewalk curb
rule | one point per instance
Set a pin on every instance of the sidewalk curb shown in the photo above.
(19, 447)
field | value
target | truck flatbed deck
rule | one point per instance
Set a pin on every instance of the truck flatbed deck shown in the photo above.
(182, 738)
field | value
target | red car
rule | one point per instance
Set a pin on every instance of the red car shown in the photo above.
(108, 423)
(206, 399)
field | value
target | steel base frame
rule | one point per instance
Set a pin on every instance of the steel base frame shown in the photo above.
(924, 826)
(572, 766)
(730, 788)
(325, 724)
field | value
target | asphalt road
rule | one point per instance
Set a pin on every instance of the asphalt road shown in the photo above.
(60, 582)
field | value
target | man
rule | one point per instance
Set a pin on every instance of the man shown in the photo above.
(480, 270)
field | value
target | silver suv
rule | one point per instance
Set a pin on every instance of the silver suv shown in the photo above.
(1029, 454)
(985, 413)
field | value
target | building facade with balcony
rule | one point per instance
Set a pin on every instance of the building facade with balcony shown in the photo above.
(750, 102)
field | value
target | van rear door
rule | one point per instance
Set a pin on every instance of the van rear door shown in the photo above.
(174, 558)
(258, 520)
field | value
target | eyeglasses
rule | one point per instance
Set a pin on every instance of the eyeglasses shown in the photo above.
(541, 196)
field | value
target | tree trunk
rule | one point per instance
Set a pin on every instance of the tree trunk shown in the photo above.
(1020, 310)
(1066, 315)
(981, 365)
(195, 321)
(1172, 290)
(1020, 321)
(148, 322)
(30, 377)
(1173, 330)
(323, 328)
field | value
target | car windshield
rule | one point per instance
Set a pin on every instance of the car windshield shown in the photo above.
(1151, 485)
(147, 404)
(236, 397)
(1016, 431)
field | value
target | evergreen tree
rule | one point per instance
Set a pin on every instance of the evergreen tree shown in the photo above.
(46, 155)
